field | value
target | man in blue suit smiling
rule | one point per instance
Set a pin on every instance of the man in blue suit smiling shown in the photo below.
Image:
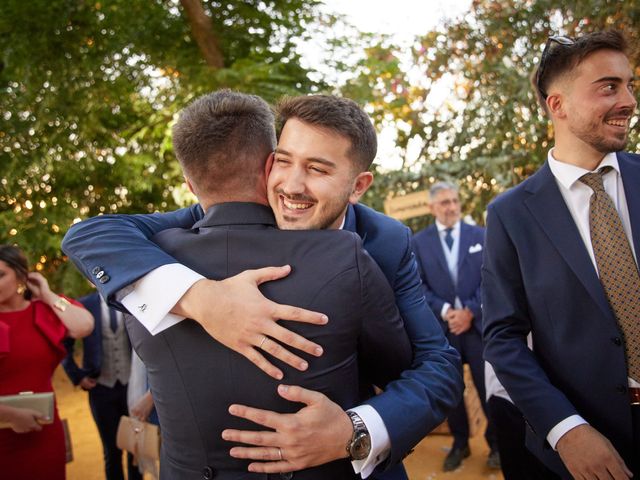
(561, 263)
(319, 173)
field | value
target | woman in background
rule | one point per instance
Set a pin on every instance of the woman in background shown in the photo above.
(33, 323)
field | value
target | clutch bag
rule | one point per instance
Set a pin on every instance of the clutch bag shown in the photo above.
(41, 402)
(139, 438)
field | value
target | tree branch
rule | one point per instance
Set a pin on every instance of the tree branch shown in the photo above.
(202, 31)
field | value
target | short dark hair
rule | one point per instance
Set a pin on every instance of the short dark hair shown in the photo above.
(15, 258)
(340, 115)
(223, 139)
(560, 57)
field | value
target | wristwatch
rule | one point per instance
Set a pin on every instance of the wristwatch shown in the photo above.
(359, 446)
(61, 304)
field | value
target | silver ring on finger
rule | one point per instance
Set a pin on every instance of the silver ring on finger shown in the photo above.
(279, 454)
(264, 339)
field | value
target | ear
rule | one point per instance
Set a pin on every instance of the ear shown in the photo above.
(189, 185)
(555, 105)
(269, 164)
(361, 184)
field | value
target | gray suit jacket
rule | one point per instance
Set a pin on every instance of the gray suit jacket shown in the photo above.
(194, 378)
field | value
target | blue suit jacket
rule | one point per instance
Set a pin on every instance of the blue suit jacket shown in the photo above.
(119, 246)
(437, 283)
(538, 277)
(91, 345)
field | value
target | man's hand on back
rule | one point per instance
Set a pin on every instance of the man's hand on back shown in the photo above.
(235, 313)
(315, 435)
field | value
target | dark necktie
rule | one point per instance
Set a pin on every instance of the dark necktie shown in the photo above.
(113, 319)
(448, 238)
(616, 267)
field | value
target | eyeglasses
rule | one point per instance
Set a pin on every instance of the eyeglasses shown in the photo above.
(549, 46)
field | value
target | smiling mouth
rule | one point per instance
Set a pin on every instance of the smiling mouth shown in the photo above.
(622, 123)
(295, 205)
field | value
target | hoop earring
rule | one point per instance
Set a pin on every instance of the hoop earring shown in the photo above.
(21, 289)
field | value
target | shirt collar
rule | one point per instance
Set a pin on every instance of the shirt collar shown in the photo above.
(441, 228)
(568, 174)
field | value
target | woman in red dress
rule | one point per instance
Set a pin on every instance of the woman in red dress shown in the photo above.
(33, 323)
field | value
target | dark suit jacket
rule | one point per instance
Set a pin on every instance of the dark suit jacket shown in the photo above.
(411, 406)
(91, 345)
(194, 378)
(423, 396)
(436, 279)
(538, 277)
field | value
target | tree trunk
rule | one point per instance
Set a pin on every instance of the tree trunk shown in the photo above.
(202, 31)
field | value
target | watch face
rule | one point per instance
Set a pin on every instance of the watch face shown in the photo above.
(360, 447)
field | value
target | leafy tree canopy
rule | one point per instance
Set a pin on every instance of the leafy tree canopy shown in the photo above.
(488, 134)
(90, 90)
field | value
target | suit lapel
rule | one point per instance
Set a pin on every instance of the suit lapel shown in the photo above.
(435, 245)
(464, 244)
(631, 180)
(547, 206)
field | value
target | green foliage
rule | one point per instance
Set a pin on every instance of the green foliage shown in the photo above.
(89, 92)
(88, 96)
(489, 133)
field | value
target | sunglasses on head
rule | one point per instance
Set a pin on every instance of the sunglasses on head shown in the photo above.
(552, 42)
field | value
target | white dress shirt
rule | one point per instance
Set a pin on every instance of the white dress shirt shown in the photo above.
(577, 195)
(154, 295)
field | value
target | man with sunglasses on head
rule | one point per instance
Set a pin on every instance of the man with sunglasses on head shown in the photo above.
(561, 263)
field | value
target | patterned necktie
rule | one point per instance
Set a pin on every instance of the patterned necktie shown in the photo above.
(617, 269)
(448, 238)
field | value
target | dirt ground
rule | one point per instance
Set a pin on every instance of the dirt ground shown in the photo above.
(425, 463)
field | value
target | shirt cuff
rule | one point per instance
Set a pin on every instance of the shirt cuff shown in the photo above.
(443, 312)
(563, 427)
(380, 441)
(155, 294)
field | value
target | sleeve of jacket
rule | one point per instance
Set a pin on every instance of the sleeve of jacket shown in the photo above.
(414, 404)
(506, 325)
(73, 371)
(118, 246)
(474, 303)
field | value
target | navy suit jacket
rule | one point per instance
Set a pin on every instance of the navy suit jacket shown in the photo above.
(538, 278)
(414, 404)
(91, 345)
(437, 283)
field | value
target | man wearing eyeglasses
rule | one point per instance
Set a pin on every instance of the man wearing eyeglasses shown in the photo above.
(561, 263)
(449, 254)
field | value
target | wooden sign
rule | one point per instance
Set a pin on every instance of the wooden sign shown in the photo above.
(408, 206)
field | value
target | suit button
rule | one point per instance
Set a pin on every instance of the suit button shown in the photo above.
(104, 279)
(208, 473)
(95, 270)
(99, 274)
(286, 476)
(617, 341)
(621, 389)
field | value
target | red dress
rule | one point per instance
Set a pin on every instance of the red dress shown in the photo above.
(34, 340)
